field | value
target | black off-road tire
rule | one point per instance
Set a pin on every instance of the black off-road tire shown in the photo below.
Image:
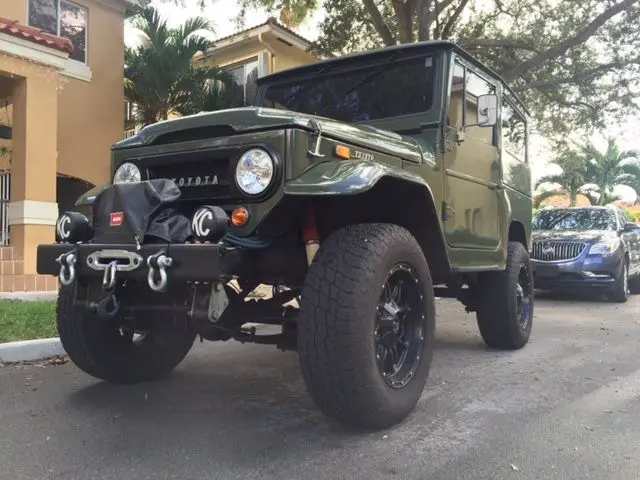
(620, 291)
(497, 302)
(336, 325)
(98, 348)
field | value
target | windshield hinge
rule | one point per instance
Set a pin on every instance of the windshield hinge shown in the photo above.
(316, 136)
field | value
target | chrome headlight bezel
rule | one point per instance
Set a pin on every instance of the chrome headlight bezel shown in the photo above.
(605, 248)
(265, 182)
(137, 174)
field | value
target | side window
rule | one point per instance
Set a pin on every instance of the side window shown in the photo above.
(624, 218)
(513, 132)
(476, 86)
(455, 115)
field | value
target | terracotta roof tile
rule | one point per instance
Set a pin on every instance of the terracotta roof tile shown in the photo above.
(15, 29)
(270, 21)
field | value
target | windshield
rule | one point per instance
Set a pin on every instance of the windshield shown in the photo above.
(387, 89)
(580, 219)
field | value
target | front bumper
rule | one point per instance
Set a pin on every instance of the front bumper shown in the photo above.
(204, 262)
(583, 272)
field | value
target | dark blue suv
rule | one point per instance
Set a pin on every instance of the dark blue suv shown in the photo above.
(595, 247)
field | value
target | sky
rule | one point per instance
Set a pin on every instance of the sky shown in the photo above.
(221, 14)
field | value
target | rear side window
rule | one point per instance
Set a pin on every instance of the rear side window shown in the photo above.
(514, 132)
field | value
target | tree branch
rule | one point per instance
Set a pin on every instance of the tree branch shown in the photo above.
(497, 43)
(378, 22)
(448, 27)
(580, 37)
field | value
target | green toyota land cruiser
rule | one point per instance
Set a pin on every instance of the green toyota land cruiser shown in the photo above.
(357, 188)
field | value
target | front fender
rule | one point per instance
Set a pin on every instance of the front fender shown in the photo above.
(87, 198)
(346, 178)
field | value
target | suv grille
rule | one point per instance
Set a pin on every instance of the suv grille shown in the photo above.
(556, 251)
(200, 175)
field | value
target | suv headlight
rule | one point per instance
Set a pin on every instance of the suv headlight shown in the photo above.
(254, 171)
(605, 248)
(127, 173)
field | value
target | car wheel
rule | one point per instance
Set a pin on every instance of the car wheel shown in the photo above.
(505, 302)
(366, 325)
(620, 290)
(634, 286)
(103, 350)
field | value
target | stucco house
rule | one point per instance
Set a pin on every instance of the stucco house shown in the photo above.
(61, 97)
(252, 53)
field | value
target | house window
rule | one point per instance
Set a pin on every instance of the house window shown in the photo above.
(62, 18)
(245, 76)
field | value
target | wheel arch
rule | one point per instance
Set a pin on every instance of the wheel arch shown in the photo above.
(517, 233)
(371, 203)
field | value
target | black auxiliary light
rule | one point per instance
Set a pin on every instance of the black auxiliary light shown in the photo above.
(209, 223)
(73, 227)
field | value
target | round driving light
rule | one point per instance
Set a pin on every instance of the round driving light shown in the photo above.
(254, 171)
(209, 223)
(73, 227)
(127, 173)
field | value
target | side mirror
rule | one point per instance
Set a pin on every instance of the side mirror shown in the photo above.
(487, 110)
(631, 227)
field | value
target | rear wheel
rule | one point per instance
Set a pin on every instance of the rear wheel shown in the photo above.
(104, 350)
(634, 286)
(505, 302)
(366, 327)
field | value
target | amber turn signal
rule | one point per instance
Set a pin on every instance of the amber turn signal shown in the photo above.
(240, 217)
(343, 152)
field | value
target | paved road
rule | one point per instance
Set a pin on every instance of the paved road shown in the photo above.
(565, 407)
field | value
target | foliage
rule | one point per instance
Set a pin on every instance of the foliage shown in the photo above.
(609, 168)
(160, 77)
(571, 180)
(575, 62)
(633, 214)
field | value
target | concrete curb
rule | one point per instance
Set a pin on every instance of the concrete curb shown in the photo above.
(30, 350)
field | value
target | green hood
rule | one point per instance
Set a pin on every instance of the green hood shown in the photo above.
(251, 119)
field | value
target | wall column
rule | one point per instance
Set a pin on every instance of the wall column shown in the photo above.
(33, 210)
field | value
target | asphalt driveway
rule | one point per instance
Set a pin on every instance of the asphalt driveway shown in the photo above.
(565, 407)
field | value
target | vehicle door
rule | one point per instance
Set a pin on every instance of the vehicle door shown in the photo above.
(632, 240)
(471, 162)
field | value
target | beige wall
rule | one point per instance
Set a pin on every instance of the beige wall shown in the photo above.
(90, 114)
(283, 56)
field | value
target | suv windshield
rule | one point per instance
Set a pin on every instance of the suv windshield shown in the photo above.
(579, 219)
(361, 94)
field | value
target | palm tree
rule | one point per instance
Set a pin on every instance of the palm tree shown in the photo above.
(571, 179)
(610, 168)
(160, 77)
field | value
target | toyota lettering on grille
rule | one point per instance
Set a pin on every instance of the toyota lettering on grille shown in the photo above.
(203, 181)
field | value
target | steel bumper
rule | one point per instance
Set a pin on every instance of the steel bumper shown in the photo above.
(158, 263)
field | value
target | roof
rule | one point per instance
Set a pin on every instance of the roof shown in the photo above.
(272, 22)
(443, 44)
(35, 35)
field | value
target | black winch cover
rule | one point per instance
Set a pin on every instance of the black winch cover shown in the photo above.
(125, 211)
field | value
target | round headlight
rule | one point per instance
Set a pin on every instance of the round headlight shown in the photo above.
(127, 173)
(254, 171)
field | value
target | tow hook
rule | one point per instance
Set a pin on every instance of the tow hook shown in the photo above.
(159, 262)
(67, 262)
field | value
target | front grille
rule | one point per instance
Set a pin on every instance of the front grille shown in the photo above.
(199, 175)
(556, 251)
